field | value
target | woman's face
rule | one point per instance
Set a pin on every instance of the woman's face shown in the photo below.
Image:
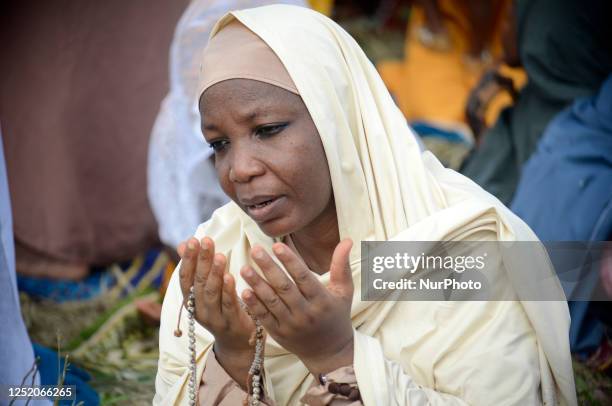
(268, 155)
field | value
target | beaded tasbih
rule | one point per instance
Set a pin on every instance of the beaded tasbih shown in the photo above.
(255, 376)
(254, 384)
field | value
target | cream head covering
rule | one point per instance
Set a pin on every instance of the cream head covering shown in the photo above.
(512, 352)
(236, 52)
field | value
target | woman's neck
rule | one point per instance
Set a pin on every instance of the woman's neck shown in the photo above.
(316, 244)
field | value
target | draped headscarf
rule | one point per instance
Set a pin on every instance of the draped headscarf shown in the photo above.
(181, 181)
(384, 189)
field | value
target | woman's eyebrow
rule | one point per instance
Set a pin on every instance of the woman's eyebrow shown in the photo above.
(250, 114)
(209, 127)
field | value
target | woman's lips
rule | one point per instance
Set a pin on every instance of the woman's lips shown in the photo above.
(266, 210)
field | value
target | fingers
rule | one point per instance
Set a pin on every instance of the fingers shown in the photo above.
(277, 279)
(217, 306)
(204, 263)
(340, 276)
(258, 310)
(210, 292)
(305, 281)
(266, 295)
(229, 299)
(180, 250)
(187, 265)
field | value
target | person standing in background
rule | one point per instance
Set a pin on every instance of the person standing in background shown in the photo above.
(80, 85)
(565, 194)
(16, 354)
(565, 49)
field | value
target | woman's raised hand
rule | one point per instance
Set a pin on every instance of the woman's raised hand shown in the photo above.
(217, 306)
(305, 317)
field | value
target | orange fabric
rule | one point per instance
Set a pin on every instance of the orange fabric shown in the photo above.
(434, 85)
(170, 267)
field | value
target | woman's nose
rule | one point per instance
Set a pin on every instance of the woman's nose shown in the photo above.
(244, 165)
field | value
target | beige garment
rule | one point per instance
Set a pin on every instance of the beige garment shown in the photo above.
(406, 353)
(219, 389)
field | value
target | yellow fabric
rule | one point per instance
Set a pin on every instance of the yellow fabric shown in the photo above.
(406, 353)
(322, 6)
(434, 85)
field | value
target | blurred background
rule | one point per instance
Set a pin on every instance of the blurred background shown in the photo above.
(104, 170)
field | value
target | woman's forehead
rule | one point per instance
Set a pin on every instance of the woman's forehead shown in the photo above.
(246, 94)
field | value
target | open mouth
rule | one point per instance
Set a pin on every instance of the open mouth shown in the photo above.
(265, 208)
(262, 204)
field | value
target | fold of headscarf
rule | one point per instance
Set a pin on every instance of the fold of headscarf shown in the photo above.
(384, 189)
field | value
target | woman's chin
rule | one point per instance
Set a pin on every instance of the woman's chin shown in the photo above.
(276, 228)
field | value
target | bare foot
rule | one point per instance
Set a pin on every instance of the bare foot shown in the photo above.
(149, 310)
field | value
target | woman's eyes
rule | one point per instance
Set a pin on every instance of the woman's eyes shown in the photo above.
(270, 129)
(218, 146)
(263, 131)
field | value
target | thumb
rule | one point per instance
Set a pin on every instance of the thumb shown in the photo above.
(340, 275)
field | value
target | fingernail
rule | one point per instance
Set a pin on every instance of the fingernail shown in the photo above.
(278, 249)
(248, 295)
(248, 273)
(258, 253)
(191, 245)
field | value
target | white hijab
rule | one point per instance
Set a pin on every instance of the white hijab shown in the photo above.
(384, 188)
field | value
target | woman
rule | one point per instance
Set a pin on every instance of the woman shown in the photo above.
(313, 152)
